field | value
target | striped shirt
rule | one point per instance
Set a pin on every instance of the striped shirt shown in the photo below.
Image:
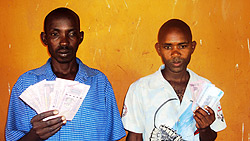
(98, 118)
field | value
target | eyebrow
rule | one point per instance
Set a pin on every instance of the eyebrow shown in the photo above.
(56, 29)
(183, 43)
(178, 43)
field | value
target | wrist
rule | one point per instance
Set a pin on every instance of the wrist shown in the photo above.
(33, 136)
(30, 136)
(206, 129)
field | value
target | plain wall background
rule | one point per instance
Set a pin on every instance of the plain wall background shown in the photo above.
(119, 40)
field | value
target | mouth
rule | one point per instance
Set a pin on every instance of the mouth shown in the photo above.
(63, 52)
(177, 62)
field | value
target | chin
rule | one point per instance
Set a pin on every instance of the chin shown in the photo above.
(64, 60)
(177, 70)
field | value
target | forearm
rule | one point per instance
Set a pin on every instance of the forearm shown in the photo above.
(134, 136)
(207, 134)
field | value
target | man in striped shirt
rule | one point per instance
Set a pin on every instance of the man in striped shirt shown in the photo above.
(98, 117)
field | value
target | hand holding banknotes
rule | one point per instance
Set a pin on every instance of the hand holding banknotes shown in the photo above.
(205, 95)
(204, 119)
(43, 129)
(66, 96)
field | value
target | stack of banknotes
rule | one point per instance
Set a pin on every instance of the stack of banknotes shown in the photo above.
(66, 96)
(205, 93)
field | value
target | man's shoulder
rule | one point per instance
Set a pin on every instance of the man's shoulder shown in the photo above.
(147, 81)
(34, 72)
(89, 72)
(29, 78)
(196, 77)
(150, 77)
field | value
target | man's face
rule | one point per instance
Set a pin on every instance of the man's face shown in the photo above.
(62, 36)
(175, 49)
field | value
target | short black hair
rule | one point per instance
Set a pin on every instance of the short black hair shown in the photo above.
(61, 11)
(176, 23)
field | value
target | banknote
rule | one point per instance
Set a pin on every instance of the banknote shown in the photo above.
(72, 99)
(29, 97)
(66, 96)
(196, 88)
(205, 93)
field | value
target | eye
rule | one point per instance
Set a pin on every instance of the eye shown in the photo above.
(72, 34)
(182, 46)
(168, 47)
(54, 34)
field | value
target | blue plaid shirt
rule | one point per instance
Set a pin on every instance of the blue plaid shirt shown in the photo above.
(98, 118)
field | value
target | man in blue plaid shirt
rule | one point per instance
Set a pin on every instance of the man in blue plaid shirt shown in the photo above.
(98, 117)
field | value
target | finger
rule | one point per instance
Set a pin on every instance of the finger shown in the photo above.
(201, 116)
(198, 117)
(44, 115)
(51, 133)
(209, 110)
(198, 121)
(201, 122)
(48, 123)
(197, 113)
(201, 112)
(197, 126)
(211, 117)
(49, 129)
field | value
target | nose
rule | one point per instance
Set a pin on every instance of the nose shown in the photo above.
(175, 51)
(64, 41)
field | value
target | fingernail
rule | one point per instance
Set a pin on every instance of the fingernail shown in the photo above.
(64, 122)
(63, 118)
(206, 107)
(55, 112)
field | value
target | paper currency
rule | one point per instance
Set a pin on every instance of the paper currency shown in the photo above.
(66, 96)
(204, 93)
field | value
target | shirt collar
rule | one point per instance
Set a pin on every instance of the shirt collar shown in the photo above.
(82, 75)
(48, 71)
(160, 81)
(83, 71)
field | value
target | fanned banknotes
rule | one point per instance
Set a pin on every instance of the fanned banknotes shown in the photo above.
(204, 93)
(66, 96)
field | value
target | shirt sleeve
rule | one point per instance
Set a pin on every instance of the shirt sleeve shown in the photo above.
(133, 117)
(219, 123)
(114, 126)
(18, 121)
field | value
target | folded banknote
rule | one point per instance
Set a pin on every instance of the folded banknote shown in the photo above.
(66, 96)
(204, 93)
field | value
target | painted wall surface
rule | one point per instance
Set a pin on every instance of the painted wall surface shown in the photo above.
(119, 40)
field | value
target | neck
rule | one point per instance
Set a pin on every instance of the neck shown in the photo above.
(179, 77)
(65, 70)
(178, 81)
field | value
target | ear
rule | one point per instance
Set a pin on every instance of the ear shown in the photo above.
(193, 46)
(43, 38)
(81, 37)
(157, 48)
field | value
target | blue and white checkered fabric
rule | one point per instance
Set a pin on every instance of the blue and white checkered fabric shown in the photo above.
(98, 118)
